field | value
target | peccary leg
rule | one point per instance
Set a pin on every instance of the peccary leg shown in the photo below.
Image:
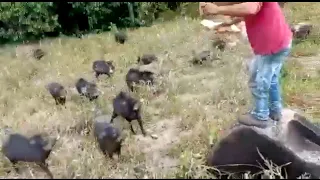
(118, 150)
(110, 155)
(114, 115)
(44, 167)
(132, 128)
(97, 75)
(56, 100)
(141, 126)
(14, 165)
(131, 88)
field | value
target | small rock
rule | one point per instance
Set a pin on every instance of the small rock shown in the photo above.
(197, 156)
(153, 136)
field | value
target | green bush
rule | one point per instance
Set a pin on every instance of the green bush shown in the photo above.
(26, 20)
(34, 20)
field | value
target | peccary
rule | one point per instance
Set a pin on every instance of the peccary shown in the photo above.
(302, 134)
(120, 37)
(87, 89)
(201, 57)
(281, 4)
(239, 151)
(219, 44)
(147, 59)
(134, 76)
(34, 149)
(58, 92)
(301, 30)
(129, 108)
(103, 67)
(108, 137)
(29, 51)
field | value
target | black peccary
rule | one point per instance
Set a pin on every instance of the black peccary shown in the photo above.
(87, 89)
(134, 77)
(201, 57)
(34, 149)
(108, 137)
(302, 134)
(121, 37)
(129, 108)
(238, 153)
(147, 59)
(103, 67)
(58, 92)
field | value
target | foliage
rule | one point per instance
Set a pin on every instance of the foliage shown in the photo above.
(21, 20)
(32, 20)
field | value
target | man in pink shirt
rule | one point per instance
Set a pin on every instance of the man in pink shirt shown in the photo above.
(270, 38)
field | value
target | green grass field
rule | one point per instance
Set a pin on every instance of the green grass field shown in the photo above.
(197, 103)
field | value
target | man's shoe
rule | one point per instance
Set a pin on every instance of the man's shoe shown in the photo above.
(249, 120)
(275, 116)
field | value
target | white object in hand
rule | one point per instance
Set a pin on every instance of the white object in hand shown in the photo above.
(211, 24)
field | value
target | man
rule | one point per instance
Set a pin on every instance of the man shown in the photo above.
(270, 38)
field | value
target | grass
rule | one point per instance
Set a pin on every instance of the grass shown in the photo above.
(198, 102)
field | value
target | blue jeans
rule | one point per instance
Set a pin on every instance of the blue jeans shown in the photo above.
(264, 83)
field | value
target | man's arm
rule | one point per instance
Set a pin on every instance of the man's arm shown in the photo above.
(235, 20)
(240, 10)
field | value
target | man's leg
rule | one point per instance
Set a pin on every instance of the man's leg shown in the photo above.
(275, 105)
(262, 70)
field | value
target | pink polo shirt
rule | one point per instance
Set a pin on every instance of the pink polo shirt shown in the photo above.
(268, 31)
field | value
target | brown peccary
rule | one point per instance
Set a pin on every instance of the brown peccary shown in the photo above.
(219, 44)
(58, 92)
(120, 37)
(134, 77)
(241, 150)
(108, 137)
(147, 59)
(103, 67)
(29, 51)
(301, 30)
(18, 148)
(87, 89)
(129, 108)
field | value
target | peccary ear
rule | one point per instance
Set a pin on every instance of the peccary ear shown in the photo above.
(32, 141)
(102, 135)
(136, 106)
(138, 60)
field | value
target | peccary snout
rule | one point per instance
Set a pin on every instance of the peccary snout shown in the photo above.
(134, 77)
(108, 137)
(103, 67)
(58, 92)
(129, 108)
(147, 59)
(34, 149)
(87, 89)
